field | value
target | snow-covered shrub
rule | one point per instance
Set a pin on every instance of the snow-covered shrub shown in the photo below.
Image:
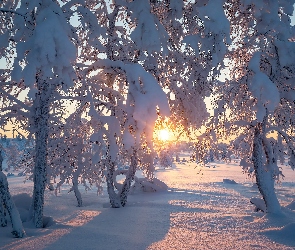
(146, 185)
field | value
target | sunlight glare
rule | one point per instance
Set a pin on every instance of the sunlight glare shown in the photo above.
(164, 134)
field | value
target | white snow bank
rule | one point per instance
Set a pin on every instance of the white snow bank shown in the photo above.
(141, 184)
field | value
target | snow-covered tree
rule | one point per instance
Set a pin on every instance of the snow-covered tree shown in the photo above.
(259, 98)
(192, 56)
(165, 159)
(121, 95)
(182, 54)
(14, 152)
(39, 47)
(71, 157)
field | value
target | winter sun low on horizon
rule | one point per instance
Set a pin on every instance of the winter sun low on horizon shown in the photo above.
(125, 104)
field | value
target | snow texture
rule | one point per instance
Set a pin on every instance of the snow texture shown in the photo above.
(197, 212)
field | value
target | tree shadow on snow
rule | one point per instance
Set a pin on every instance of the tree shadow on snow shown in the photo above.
(144, 220)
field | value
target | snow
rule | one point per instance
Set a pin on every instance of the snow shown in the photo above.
(199, 211)
(262, 88)
(259, 204)
(228, 181)
(48, 49)
(149, 34)
(284, 234)
(266, 92)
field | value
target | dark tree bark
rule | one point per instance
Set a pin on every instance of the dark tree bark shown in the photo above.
(129, 178)
(114, 199)
(41, 117)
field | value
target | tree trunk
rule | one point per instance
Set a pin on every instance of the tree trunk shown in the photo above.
(129, 178)
(5, 198)
(114, 199)
(41, 118)
(3, 221)
(264, 176)
(76, 189)
(280, 150)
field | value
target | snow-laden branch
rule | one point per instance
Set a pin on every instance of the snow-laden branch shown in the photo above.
(14, 99)
(11, 11)
(284, 134)
(289, 142)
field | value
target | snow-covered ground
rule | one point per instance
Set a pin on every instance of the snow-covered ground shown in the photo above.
(201, 210)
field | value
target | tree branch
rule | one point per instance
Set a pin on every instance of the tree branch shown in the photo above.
(12, 98)
(11, 11)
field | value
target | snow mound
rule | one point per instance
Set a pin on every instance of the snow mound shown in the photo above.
(48, 221)
(23, 202)
(229, 181)
(285, 234)
(146, 185)
(291, 205)
(259, 204)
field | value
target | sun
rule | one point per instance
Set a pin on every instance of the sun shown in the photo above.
(164, 135)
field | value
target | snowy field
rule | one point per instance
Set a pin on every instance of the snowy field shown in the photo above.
(200, 211)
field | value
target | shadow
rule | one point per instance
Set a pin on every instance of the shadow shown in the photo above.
(282, 227)
(194, 216)
(145, 219)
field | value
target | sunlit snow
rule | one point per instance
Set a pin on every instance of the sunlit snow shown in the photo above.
(200, 210)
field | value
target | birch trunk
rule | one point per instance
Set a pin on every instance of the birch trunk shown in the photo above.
(41, 118)
(75, 182)
(129, 178)
(114, 200)
(5, 198)
(264, 175)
